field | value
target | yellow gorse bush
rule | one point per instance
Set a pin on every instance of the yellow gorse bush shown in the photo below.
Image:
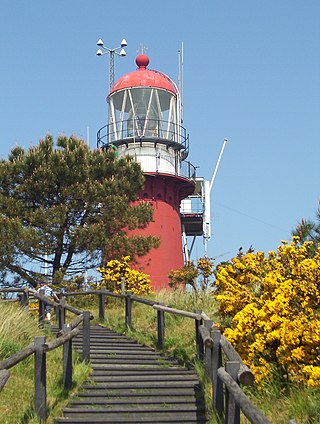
(197, 276)
(269, 307)
(115, 273)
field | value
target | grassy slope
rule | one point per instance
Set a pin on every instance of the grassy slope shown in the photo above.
(17, 330)
(277, 402)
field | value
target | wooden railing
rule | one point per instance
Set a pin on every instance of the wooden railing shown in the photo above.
(223, 366)
(41, 346)
(213, 349)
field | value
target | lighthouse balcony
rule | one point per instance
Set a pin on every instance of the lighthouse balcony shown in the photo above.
(191, 213)
(140, 129)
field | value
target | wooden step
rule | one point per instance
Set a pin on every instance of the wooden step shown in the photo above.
(132, 399)
(145, 384)
(138, 419)
(93, 390)
(132, 383)
(167, 378)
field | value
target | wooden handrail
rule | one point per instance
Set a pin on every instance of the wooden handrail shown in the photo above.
(50, 302)
(12, 290)
(206, 337)
(87, 292)
(4, 376)
(247, 407)
(144, 301)
(77, 293)
(30, 349)
(78, 320)
(61, 340)
(245, 375)
(17, 357)
(177, 312)
(204, 316)
(46, 299)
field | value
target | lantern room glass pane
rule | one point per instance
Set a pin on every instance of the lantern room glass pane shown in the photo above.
(143, 112)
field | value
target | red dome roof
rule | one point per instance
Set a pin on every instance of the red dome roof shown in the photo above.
(143, 77)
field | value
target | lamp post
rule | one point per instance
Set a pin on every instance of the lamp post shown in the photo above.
(112, 53)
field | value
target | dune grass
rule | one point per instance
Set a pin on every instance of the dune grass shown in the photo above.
(18, 329)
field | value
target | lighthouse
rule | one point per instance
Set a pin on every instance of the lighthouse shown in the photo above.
(144, 121)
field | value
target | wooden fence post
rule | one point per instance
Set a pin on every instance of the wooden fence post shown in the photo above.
(123, 285)
(24, 299)
(208, 352)
(232, 408)
(40, 386)
(57, 312)
(128, 318)
(67, 360)
(86, 336)
(41, 307)
(62, 313)
(217, 386)
(199, 341)
(161, 324)
(102, 302)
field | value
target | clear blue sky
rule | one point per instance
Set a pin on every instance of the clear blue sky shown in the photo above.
(251, 74)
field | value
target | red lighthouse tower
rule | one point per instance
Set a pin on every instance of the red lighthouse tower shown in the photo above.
(145, 122)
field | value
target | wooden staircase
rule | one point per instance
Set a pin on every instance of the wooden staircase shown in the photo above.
(132, 383)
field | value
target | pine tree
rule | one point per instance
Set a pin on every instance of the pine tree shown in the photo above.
(63, 206)
(308, 230)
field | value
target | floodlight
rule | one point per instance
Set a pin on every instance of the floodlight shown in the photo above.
(100, 42)
(124, 43)
(99, 52)
(123, 52)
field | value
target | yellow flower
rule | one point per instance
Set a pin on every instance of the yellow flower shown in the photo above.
(270, 310)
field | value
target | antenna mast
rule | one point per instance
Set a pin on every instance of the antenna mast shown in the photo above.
(112, 53)
(180, 80)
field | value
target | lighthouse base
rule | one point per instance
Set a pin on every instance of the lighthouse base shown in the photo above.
(164, 193)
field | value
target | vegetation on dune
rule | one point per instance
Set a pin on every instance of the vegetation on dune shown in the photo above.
(269, 309)
(118, 276)
(309, 230)
(62, 205)
(197, 276)
(18, 329)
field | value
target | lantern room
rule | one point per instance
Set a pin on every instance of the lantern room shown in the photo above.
(144, 120)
